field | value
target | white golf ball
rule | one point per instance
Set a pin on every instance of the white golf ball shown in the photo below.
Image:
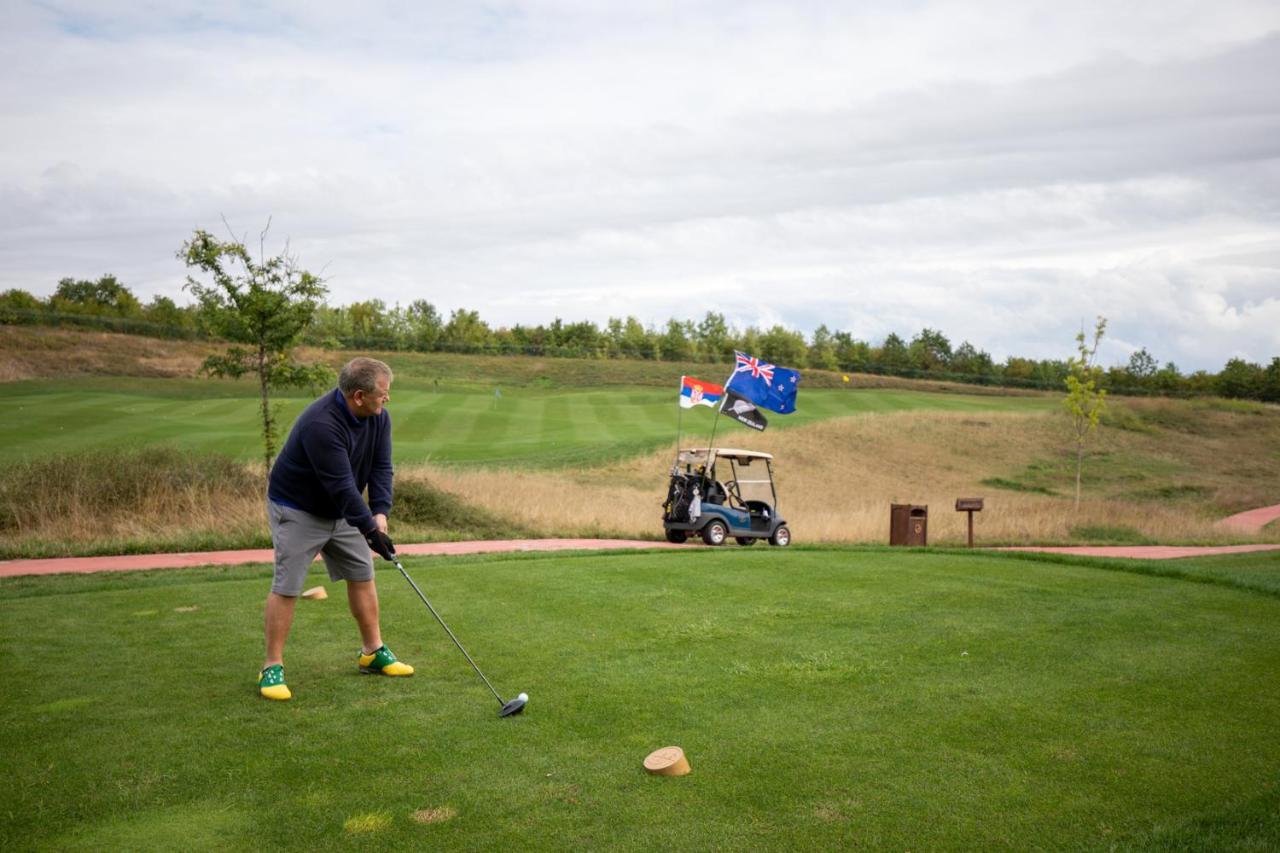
(523, 697)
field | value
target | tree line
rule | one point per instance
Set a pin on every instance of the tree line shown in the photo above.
(419, 327)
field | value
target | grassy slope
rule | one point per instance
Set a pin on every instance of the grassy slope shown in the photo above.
(580, 448)
(525, 427)
(826, 699)
(33, 353)
(1224, 452)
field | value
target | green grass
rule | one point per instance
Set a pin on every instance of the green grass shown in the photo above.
(827, 699)
(1258, 571)
(1171, 492)
(528, 426)
(1016, 486)
(1127, 475)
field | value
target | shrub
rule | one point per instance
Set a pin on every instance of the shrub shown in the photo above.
(420, 504)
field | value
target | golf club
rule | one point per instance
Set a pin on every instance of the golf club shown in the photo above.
(516, 705)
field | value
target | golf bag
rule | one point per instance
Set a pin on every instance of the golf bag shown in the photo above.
(681, 492)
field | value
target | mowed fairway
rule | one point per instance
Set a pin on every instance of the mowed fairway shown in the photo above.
(524, 427)
(827, 699)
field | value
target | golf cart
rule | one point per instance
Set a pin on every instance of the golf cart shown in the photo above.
(719, 492)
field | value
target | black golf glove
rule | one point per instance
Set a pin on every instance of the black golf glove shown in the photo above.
(380, 544)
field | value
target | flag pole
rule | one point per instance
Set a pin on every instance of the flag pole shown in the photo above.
(716, 421)
(679, 422)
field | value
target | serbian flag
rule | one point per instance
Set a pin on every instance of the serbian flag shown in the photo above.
(695, 392)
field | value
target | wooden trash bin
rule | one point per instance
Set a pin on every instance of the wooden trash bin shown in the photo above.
(909, 525)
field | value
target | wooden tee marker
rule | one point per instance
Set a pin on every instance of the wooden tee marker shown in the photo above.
(668, 761)
(969, 505)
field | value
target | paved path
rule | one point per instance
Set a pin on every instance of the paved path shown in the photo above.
(135, 562)
(1251, 521)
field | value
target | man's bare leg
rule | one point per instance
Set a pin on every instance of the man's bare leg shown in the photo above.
(362, 596)
(277, 620)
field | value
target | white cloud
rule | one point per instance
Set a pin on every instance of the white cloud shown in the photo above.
(999, 171)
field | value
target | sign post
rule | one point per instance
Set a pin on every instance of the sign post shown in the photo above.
(969, 505)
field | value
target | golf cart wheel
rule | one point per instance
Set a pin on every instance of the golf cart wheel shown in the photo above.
(677, 536)
(715, 533)
(744, 541)
(781, 537)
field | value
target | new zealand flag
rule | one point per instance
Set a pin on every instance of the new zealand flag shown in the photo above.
(743, 411)
(769, 387)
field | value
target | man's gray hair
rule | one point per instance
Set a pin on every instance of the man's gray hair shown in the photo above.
(362, 374)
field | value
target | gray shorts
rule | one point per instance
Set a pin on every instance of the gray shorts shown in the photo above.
(298, 536)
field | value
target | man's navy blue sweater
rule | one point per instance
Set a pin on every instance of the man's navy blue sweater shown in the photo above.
(329, 458)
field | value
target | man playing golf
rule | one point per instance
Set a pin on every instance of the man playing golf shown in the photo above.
(339, 445)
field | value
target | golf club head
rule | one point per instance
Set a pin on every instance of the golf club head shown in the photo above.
(515, 706)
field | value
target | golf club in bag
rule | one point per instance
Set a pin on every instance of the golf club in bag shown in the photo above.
(516, 705)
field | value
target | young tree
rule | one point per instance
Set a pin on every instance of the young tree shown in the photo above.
(583, 339)
(780, 345)
(1085, 399)
(19, 306)
(1241, 379)
(369, 322)
(465, 332)
(822, 350)
(1142, 365)
(852, 354)
(163, 311)
(265, 304)
(676, 343)
(1018, 370)
(104, 296)
(970, 361)
(713, 337)
(1168, 380)
(893, 354)
(425, 324)
(930, 351)
(636, 341)
(1271, 382)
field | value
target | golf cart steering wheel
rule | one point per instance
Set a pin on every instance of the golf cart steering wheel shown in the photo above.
(731, 488)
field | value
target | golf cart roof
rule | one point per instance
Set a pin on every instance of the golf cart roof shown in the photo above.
(698, 455)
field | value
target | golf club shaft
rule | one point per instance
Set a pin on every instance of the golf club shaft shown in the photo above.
(450, 633)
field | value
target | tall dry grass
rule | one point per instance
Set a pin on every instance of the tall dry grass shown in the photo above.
(161, 498)
(836, 480)
(154, 495)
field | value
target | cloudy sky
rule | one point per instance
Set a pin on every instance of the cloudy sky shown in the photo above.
(1002, 171)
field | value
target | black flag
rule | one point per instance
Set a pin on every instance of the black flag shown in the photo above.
(742, 410)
